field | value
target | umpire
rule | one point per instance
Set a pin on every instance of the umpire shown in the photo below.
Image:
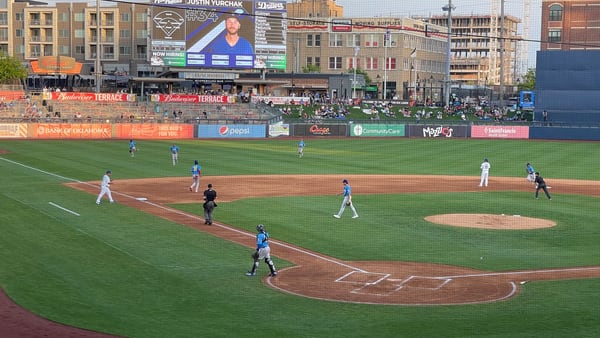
(209, 205)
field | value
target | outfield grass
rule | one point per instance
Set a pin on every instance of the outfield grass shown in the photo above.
(117, 270)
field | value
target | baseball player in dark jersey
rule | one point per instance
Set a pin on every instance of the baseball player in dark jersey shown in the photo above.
(540, 184)
(209, 205)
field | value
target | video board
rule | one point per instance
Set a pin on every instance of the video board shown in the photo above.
(219, 33)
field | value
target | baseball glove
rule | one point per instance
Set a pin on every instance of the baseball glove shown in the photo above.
(348, 204)
(254, 255)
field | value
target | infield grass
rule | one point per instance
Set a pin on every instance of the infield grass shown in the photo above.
(118, 270)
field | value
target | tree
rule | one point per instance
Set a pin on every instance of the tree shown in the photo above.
(368, 80)
(311, 69)
(12, 70)
(528, 81)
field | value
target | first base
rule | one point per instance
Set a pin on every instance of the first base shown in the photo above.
(141, 199)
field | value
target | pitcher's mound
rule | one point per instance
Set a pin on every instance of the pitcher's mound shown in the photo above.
(490, 221)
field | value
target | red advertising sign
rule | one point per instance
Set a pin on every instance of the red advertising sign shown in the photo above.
(155, 131)
(71, 130)
(9, 95)
(515, 132)
(182, 98)
(98, 97)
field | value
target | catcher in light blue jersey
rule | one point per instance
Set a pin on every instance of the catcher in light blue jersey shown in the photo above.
(263, 251)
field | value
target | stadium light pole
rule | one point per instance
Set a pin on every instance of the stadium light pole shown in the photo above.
(447, 81)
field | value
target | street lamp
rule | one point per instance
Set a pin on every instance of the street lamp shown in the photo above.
(356, 50)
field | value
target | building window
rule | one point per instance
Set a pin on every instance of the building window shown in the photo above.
(141, 34)
(79, 34)
(4, 18)
(125, 33)
(313, 61)
(371, 63)
(19, 17)
(554, 35)
(63, 33)
(18, 33)
(372, 40)
(64, 50)
(125, 50)
(79, 17)
(125, 17)
(309, 40)
(351, 63)
(317, 40)
(335, 62)
(80, 50)
(3, 34)
(390, 64)
(354, 40)
(555, 13)
(141, 17)
(336, 40)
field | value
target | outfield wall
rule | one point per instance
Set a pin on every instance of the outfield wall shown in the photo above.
(280, 129)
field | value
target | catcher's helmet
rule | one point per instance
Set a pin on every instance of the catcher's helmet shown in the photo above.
(260, 228)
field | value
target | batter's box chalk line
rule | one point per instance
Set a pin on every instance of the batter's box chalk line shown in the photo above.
(384, 286)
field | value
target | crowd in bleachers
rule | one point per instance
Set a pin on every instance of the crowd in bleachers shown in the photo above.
(33, 108)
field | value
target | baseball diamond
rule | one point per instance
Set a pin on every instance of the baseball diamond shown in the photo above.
(321, 277)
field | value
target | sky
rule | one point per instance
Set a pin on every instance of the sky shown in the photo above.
(407, 8)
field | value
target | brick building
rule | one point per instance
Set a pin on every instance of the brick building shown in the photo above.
(570, 25)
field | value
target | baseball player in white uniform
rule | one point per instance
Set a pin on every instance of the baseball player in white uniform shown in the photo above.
(105, 188)
(485, 171)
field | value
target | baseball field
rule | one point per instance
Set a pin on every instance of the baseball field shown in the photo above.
(431, 255)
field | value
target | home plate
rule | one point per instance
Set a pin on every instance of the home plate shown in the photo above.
(141, 198)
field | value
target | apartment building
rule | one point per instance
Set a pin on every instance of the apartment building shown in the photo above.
(475, 48)
(30, 30)
(570, 25)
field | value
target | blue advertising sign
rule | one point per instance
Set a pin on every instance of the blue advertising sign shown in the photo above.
(232, 131)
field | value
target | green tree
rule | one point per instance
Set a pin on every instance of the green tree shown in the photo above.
(12, 70)
(528, 81)
(311, 69)
(363, 73)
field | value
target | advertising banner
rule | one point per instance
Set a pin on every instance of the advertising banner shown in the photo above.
(182, 98)
(319, 129)
(154, 131)
(377, 130)
(232, 131)
(437, 131)
(84, 97)
(503, 132)
(10, 95)
(71, 130)
(13, 130)
(279, 100)
(219, 34)
(279, 129)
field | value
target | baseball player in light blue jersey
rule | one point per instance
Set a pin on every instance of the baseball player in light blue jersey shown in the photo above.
(530, 173)
(174, 153)
(196, 173)
(347, 201)
(301, 148)
(263, 251)
(132, 148)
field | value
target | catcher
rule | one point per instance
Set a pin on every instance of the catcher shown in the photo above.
(262, 252)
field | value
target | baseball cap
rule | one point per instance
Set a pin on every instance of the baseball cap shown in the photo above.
(345, 181)
(108, 172)
(210, 185)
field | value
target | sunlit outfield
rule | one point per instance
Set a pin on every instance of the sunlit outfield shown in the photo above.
(117, 270)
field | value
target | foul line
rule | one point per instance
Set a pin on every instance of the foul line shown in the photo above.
(62, 208)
